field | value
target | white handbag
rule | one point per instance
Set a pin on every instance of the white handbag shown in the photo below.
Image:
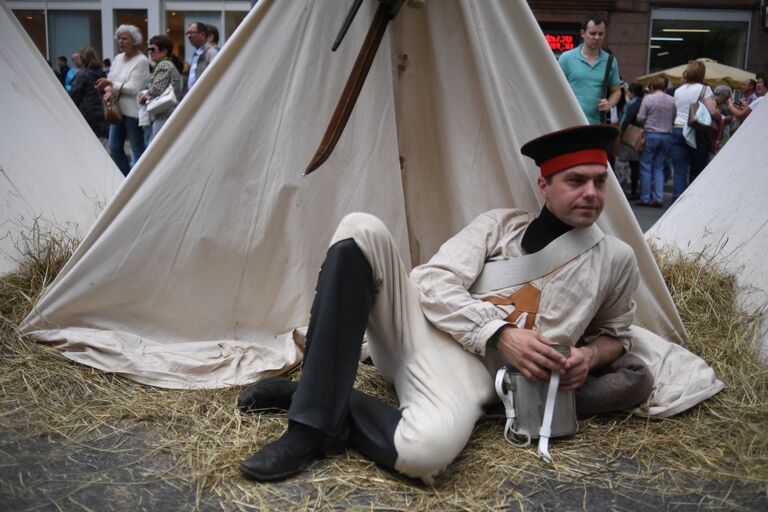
(162, 103)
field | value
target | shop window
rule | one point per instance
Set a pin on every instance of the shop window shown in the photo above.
(719, 35)
(34, 24)
(68, 31)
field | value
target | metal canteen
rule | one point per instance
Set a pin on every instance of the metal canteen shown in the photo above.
(529, 398)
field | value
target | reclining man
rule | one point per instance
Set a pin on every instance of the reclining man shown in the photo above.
(439, 343)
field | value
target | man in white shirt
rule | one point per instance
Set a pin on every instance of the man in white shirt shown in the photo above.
(438, 340)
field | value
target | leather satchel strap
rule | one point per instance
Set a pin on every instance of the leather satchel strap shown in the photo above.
(525, 300)
(604, 119)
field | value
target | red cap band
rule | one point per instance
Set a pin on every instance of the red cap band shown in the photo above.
(568, 160)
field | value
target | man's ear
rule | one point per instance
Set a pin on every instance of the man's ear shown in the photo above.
(541, 182)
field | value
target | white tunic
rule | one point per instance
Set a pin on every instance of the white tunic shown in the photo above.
(589, 296)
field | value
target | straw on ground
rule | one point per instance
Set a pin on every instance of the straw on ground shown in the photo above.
(713, 456)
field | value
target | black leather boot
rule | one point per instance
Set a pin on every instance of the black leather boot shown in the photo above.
(291, 453)
(325, 411)
(344, 298)
(273, 393)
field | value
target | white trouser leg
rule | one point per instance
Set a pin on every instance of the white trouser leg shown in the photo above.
(442, 388)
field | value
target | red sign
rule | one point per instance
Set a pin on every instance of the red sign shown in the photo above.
(559, 43)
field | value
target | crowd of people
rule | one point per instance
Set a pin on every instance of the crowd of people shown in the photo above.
(671, 147)
(131, 82)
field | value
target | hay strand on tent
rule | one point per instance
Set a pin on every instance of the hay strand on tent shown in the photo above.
(714, 456)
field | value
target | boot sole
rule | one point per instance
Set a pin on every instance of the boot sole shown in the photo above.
(272, 477)
(331, 451)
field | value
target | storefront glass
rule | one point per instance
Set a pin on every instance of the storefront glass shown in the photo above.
(34, 24)
(68, 31)
(680, 36)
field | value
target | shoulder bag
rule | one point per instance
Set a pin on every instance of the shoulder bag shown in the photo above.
(162, 103)
(112, 114)
(634, 137)
(699, 117)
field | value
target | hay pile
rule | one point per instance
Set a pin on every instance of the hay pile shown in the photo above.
(713, 456)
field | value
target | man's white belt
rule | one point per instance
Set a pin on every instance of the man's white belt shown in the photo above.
(500, 274)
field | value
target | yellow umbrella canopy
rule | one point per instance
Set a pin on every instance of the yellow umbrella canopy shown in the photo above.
(717, 74)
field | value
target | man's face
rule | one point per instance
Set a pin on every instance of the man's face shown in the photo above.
(61, 62)
(760, 89)
(746, 87)
(576, 195)
(594, 35)
(195, 37)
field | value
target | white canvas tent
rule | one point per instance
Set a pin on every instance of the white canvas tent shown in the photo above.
(723, 215)
(53, 170)
(203, 264)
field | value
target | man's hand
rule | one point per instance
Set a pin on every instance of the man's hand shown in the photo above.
(577, 367)
(602, 351)
(530, 352)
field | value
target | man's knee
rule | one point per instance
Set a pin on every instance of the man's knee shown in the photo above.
(426, 449)
(360, 226)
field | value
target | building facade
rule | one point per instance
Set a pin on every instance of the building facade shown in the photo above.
(645, 35)
(651, 35)
(62, 27)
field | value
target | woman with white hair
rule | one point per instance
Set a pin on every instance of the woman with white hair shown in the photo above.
(127, 76)
(722, 94)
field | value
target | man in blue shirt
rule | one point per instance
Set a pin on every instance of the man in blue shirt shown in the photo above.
(72, 72)
(584, 68)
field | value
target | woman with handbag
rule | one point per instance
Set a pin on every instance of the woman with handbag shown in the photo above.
(657, 114)
(166, 76)
(83, 91)
(627, 152)
(688, 160)
(127, 76)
